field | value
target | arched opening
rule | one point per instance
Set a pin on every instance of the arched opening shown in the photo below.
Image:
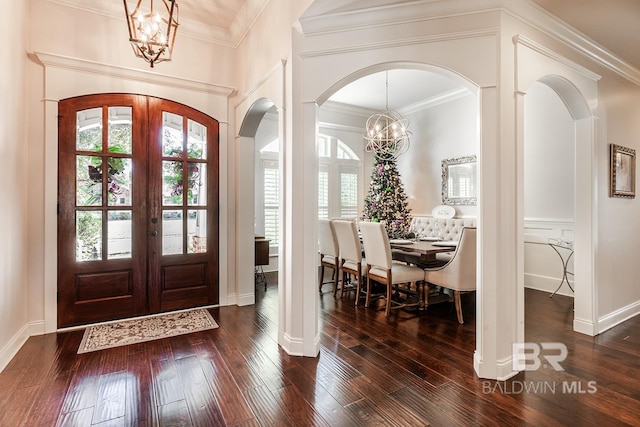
(443, 111)
(558, 243)
(255, 214)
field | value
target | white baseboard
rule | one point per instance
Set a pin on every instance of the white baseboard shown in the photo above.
(11, 348)
(547, 284)
(585, 327)
(615, 318)
(244, 299)
(293, 346)
(501, 371)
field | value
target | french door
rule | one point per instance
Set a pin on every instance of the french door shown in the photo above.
(138, 208)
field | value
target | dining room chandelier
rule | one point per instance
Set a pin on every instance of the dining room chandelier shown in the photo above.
(152, 31)
(386, 132)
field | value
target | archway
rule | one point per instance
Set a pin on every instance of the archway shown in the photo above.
(443, 122)
(581, 233)
(245, 190)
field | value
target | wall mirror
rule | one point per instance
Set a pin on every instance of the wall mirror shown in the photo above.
(459, 177)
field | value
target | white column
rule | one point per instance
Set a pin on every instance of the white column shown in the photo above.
(585, 310)
(299, 292)
(496, 295)
(245, 244)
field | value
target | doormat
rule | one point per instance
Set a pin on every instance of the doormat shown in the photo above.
(125, 332)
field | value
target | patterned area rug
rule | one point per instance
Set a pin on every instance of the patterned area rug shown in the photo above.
(99, 337)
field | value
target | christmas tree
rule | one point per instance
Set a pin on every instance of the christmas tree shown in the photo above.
(386, 200)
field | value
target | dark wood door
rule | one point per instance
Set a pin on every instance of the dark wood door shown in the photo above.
(138, 208)
(183, 211)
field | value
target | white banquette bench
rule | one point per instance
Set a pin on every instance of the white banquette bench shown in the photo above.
(441, 228)
(444, 228)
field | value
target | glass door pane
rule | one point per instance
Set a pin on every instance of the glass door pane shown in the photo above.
(184, 185)
(108, 170)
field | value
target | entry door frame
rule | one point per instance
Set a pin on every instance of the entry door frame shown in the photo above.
(65, 77)
(148, 281)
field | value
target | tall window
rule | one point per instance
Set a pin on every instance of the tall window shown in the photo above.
(338, 185)
(338, 179)
(268, 194)
(271, 202)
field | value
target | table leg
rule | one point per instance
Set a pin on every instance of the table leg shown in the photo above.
(565, 273)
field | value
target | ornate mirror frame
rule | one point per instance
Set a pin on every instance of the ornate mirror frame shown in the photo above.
(450, 170)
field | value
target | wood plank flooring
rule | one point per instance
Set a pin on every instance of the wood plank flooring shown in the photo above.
(411, 369)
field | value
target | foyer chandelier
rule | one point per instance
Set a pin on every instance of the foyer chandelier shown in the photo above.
(152, 31)
(386, 132)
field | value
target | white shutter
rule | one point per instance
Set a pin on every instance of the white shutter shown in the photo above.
(323, 192)
(271, 200)
(348, 193)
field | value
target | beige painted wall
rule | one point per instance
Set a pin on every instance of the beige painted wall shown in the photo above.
(14, 190)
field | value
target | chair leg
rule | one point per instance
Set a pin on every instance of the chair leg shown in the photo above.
(456, 297)
(336, 280)
(368, 295)
(387, 310)
(345, 279)
(321, 278)
(358, 285)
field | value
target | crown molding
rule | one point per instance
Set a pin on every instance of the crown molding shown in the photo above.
(359, 16)
(339, 127)
(537, 17)
(434, 101)
(92, 67)
(525, 41)
(246, 19)
(352, 110)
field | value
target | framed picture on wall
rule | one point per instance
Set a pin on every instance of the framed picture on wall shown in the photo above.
(623, 172)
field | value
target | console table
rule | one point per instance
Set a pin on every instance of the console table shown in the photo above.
(565, 255)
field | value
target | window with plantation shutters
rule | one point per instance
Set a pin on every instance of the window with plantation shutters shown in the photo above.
(271, 202)
(338, 179)
(323, 192)
(348, 192)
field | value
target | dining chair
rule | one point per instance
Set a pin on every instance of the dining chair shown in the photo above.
(382, 269)
(329, 253)
(351, 260)
(459, 274)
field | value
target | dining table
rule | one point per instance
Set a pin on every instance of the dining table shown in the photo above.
(426, 249)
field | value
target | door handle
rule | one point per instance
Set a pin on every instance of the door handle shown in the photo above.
(154, 233)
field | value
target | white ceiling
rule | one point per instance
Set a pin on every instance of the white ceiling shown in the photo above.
(218, 13)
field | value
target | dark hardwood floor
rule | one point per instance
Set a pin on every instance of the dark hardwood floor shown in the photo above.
(409, 369)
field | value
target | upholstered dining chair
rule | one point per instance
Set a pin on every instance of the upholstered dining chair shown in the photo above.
(459, 274)
(382, 269)
(351, 260)
(329, 253)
